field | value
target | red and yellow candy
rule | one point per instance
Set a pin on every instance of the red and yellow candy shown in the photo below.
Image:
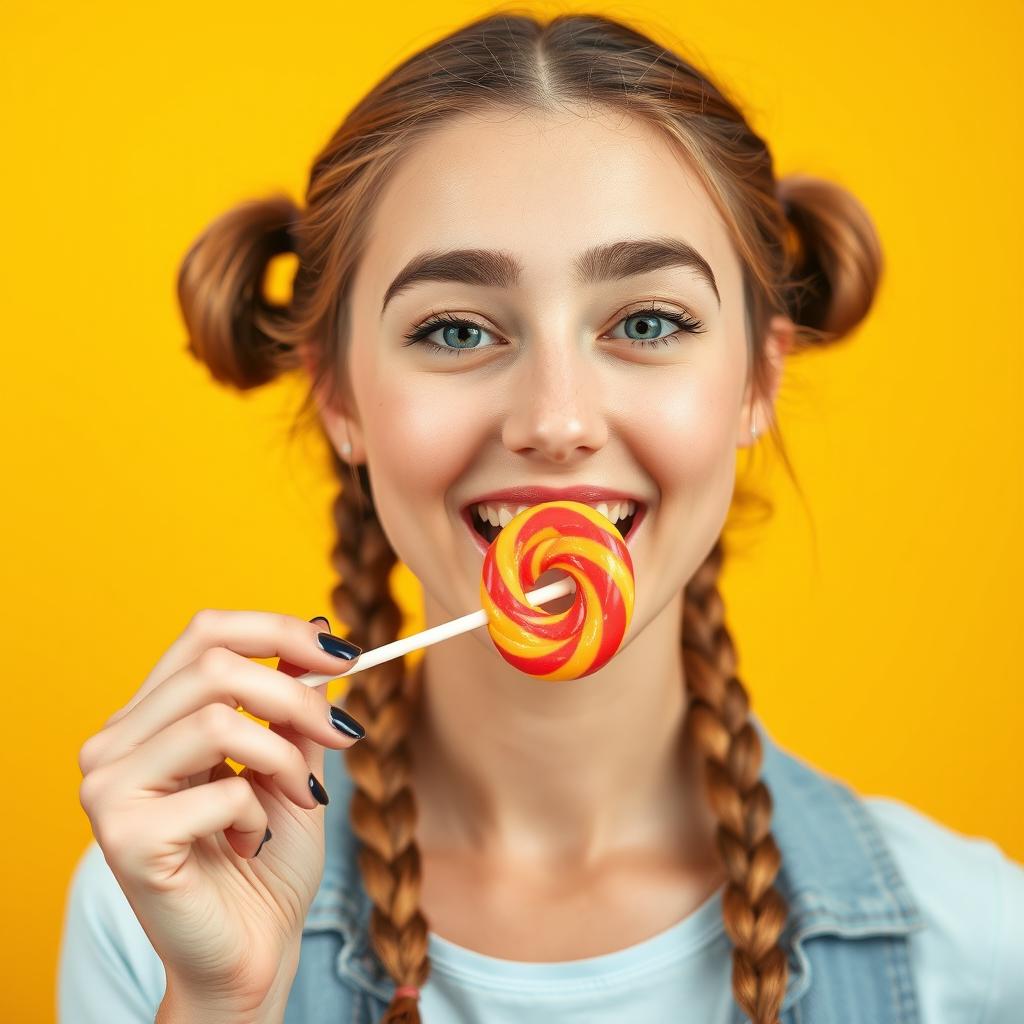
(571, 536)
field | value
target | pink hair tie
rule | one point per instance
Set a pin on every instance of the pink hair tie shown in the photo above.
(407, 990)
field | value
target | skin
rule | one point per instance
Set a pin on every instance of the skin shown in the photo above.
(515, 776)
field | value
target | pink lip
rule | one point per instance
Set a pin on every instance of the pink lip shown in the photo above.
(515, 494)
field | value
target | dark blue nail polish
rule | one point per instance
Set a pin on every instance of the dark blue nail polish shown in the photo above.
(323, 619)
(344, 722)
(339, 648)
(317, 790)
(260, 847)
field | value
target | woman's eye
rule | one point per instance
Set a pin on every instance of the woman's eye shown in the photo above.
(457, 334)
(644, 326)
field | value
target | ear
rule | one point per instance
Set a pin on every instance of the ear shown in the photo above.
(757, 410)
(341, 427)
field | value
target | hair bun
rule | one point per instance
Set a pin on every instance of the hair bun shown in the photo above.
(838, 259)
(232, 328)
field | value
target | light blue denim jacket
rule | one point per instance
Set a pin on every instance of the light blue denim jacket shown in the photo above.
(839, 879)
(893, 919)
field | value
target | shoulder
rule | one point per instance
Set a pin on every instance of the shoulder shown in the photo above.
(108, 968)
(971, 896)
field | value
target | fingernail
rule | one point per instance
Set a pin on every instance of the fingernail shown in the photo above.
(344, 722)
(339, 648)
(260, 847)
(323, 619)
(317, 790)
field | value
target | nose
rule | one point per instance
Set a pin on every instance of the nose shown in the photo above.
(556, 411)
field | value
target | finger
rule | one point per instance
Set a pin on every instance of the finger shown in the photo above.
(229, 805)
(312, 753)
(195, 744)
(283, 665)
(254, 634)
(223, 677)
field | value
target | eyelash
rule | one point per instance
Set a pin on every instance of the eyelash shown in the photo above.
(445, 319)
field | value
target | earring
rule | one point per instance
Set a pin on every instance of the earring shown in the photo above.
(346, 448)
(753, 428)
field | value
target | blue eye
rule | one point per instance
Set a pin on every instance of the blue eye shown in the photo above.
(459, 334)
(647, 329)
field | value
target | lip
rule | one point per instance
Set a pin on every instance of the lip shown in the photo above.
(535, 495)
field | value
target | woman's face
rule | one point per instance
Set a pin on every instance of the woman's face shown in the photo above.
(546, 381)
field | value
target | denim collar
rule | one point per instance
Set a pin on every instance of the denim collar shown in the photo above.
(837, 875)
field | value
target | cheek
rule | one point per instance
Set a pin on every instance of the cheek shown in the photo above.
(421, 434)
(686, 432)
(687, 443)
(426, 431)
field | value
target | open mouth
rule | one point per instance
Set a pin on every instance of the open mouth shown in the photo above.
(627, 516)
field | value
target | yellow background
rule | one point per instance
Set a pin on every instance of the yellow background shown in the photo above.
(879, 636)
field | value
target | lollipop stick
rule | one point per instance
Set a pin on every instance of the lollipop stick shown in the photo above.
(434, 635)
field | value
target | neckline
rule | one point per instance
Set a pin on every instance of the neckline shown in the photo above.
(686, 938)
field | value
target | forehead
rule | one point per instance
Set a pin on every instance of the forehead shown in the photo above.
(543, 186)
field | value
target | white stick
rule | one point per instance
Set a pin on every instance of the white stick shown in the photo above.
(434, 635)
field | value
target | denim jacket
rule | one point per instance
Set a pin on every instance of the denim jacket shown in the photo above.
(838, 877)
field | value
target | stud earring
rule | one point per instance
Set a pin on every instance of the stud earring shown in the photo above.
(346, 448)
(753, 428)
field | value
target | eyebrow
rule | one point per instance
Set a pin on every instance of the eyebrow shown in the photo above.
(608, 262)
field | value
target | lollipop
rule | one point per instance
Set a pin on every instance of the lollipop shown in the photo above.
(565, 535)
(558, 535)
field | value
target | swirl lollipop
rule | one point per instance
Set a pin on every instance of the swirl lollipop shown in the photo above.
(565, 535)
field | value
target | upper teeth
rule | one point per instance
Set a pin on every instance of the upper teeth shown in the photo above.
(502, 514)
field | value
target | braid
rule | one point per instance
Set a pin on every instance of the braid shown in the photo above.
(383, 810)
(718, 722)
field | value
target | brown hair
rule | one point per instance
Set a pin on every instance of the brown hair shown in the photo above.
(808, 250)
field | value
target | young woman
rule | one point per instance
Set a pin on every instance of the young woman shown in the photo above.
(538, 260)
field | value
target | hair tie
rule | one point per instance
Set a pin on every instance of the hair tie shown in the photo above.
(407, 990)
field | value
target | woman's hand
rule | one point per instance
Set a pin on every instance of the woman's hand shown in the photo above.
(179, 829)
